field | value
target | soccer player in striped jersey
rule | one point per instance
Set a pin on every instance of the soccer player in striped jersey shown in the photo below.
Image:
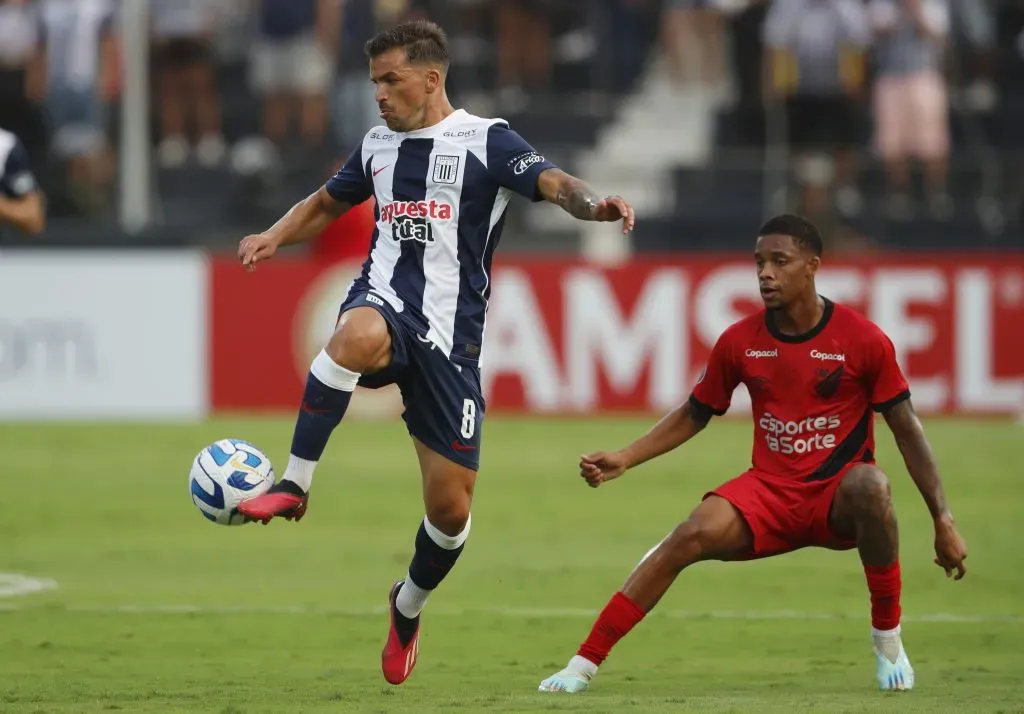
(442, 179)
(22, 203)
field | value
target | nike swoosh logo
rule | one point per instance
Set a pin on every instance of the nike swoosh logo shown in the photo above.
(311, 410)
(380, 169)
(462, 447)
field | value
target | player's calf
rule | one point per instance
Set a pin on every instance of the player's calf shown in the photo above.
(361, 343)
(440, 540)
(863, 510)
(715, 530)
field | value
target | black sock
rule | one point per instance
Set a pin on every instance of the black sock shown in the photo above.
(321, 411)
(431, 562)
(433, 559)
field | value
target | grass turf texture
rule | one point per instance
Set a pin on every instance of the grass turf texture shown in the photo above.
(134, 624)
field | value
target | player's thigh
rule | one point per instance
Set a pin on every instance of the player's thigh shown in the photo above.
(444, 411)
(863, 488)
(447, 489)
(364, 338)
(719, 528)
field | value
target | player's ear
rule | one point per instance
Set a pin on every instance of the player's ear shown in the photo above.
(433, 80)
(814, 263)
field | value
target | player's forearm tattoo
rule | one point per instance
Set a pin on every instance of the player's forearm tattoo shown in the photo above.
(578, 199)
(917, 455)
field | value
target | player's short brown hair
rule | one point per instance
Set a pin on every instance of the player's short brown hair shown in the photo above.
(424, 42)
(802, 231)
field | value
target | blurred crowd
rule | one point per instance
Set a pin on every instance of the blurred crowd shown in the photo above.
(817, 64)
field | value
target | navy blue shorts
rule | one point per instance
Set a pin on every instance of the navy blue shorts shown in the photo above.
(444, 405)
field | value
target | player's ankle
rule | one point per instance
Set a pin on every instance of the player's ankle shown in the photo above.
(299, 473)
(286, 485)
(583, 666)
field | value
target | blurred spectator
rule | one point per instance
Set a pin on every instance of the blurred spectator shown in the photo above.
(911, 103)
(82, 62)
(693, 36)
(23, 75)
(291, 65)
(186, 81)
(355, 105)
(975, 21)
(524, 50)
(816, 63)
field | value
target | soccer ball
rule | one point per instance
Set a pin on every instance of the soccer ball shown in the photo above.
(226, 473)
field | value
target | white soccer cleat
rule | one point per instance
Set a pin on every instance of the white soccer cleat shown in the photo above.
(575, 678)
(892, 674)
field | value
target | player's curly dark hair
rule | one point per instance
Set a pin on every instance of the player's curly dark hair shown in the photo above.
(801, 230)
(423, 41)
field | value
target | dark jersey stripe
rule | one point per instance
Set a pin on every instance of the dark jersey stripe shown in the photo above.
(886, 406)
(704, 411)
(410, 184)
(847, 452)
(475, 248)
(362, 283)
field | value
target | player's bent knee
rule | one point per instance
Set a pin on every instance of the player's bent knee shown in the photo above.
(867, 486)
(450, 518)
(361, 340)
(686, 544)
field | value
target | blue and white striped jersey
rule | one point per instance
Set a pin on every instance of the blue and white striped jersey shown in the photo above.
(16, 177)
(442, 194)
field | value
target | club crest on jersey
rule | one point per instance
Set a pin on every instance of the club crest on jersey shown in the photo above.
(446, 168)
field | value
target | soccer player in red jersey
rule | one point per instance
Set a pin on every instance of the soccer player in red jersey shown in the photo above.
(816, 372)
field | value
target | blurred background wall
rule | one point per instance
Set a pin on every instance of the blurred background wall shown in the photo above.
(183, 125)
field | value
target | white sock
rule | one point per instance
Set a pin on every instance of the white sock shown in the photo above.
(887, 642)
(300, 471)
(582, 665)
(411, 598)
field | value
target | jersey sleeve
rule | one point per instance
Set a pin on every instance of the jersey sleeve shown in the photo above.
(886, 384)
(714, 388)
(351, 184)
(513, 163)
(16, 177)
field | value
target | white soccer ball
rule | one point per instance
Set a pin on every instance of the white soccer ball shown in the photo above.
(226, 473)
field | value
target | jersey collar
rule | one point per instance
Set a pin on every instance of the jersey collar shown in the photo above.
(826, 315)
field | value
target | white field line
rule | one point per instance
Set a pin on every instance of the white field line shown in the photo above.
(522, 613)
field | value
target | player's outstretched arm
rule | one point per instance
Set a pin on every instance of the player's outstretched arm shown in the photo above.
(674, 430)
(580, 201)
(950, 549)
(306, 219)
(27, 213)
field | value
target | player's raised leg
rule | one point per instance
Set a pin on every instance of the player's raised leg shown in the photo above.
(714, 531)
(863, 510)
(360, 344)
(447, 496)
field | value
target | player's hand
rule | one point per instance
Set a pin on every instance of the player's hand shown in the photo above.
(615, 208)
(950, 549)
(602, 466)
(255, 248)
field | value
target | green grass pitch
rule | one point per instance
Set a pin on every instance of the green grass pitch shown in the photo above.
(157, 610)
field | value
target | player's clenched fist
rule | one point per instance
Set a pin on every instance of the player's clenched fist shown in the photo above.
(255, 248)
(602, 466)
(950, 549)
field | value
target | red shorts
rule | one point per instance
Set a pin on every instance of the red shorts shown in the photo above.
(784, 514)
